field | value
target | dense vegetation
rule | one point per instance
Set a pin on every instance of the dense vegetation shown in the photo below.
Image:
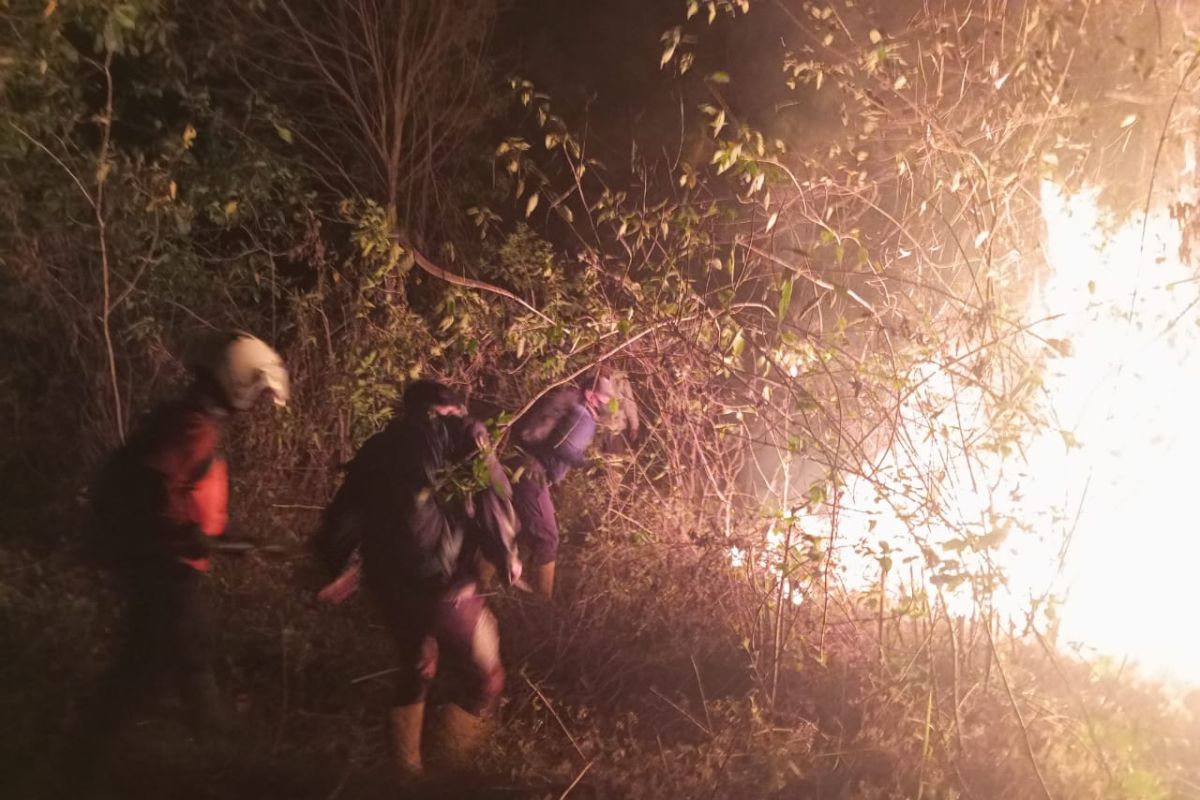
(786, 223)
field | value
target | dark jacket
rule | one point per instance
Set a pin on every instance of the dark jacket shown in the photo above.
(365, 478)
(434, 502)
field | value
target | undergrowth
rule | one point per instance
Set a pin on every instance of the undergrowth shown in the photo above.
(633, 683)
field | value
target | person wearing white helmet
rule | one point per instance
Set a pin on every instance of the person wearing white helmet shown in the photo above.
(156, 505)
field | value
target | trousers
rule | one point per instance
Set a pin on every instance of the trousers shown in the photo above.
(451, 627)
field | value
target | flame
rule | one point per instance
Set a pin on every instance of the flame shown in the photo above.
(1101, 493)
(1128, 394)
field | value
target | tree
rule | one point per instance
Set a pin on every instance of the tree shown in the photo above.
(381, 95)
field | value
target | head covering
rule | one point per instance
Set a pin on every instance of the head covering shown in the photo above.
(243, 367)
(426, 393)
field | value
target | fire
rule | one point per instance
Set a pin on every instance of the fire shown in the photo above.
(1093, 512)
(1128, 394)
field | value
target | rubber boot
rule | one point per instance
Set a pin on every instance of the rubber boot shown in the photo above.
(458, 737)
(406, 741)
(543, 580)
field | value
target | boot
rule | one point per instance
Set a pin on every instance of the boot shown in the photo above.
(406, 740)
(543, 580)
(458, 737)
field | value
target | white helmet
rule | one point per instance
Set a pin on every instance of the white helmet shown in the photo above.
(244, 367)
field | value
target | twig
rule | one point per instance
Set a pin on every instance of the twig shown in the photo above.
(700, 686)
(632, 521)
(87, 195)
(337, 790)
(928, 726)
(301, 506)
(956, 698)
(557, 718)
(578, 778)
(1162, 140)
(374, 675)
(777, 639)
(102, 231)
(1020, 719)
(470, 283)
(675, 706)
(1087, 717)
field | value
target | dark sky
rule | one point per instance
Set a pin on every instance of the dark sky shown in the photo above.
(602, 51)
(599, 61)
(602, 57)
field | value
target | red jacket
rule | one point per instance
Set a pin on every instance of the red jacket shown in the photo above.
(181, 450)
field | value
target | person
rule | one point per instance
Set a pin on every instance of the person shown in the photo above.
(550, 439)
(436, 499)
(156, 506)
(619, 428)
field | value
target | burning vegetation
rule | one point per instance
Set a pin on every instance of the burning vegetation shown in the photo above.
(880, 320)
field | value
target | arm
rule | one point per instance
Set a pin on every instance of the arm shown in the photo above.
(495, 519)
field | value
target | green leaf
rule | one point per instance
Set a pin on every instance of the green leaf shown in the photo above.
(125, 16)
(670, 40)
(283, 133)
(785, 296)
(719, 77)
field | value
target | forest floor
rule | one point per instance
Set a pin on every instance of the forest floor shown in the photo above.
(632, 684)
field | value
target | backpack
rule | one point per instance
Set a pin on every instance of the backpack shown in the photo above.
(342, 524)
(535, 429)
(123, 497)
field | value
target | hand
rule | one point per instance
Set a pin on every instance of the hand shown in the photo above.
(514, 569)
(343, 586)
